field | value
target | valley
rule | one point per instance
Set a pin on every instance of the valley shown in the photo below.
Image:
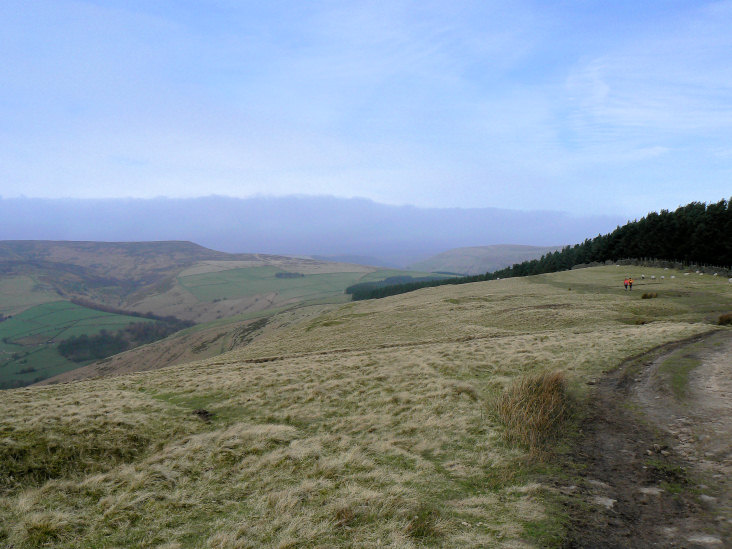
(109, 285)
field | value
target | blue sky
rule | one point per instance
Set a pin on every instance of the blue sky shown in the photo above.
(584, 106)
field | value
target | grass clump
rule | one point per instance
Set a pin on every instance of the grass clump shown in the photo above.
(424, 523)
(533, 410)
(725, 319)
(649, 295)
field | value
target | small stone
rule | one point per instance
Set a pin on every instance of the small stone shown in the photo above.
(464, 523)
(606, 502)
(708, 499)
(705, 539)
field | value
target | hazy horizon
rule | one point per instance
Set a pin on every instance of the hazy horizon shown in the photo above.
(294, 225)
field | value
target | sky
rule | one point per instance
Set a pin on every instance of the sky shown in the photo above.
(584, 106)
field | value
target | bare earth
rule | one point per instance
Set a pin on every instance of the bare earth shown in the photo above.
(655, 469)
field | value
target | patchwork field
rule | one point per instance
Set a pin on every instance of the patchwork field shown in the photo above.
(210, 291)
(364, 424)
(28, 340)
(236, 283)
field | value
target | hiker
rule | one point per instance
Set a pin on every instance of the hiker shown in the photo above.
(625, 283)
(630, 283)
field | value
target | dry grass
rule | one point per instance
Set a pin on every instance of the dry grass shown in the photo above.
(725, 319)
(534, 409)
(366, 432)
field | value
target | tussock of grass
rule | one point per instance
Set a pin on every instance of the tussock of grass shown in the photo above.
(725, 319)
(533, 409)
(649, 295)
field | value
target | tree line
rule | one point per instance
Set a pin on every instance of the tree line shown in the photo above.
(370, 288)
(169, 319)
(85, 347)
(694, 234)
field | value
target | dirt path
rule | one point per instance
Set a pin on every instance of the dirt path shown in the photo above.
(654, 467)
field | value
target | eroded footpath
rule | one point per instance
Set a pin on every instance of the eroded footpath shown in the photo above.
(653, 465)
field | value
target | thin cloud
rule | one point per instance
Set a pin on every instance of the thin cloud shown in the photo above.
(431, 103)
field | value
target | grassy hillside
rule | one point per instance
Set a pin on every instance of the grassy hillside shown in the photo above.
(481, 259)
(179, 279)
(29, 339)
(351, 425)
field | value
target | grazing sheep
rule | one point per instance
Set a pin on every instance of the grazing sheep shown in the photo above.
(673, 276)
(653, 277)
(662, 277)
(687, 274)
(643, 277)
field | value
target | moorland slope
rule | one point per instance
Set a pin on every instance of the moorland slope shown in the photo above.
(363, 424)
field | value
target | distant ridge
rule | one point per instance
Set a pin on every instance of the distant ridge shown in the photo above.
(481, 259)
(132, 265)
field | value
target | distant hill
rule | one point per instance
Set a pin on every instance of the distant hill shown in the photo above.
(481, 259)
(110, 273)
(357, 259)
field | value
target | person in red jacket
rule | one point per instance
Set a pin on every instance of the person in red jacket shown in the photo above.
(630, 283)
(625, 282)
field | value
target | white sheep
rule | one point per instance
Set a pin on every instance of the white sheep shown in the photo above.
(662, 277)
(673, 276)
(653, 277)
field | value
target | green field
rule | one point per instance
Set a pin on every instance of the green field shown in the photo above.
(252, 281)
(28, 340)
